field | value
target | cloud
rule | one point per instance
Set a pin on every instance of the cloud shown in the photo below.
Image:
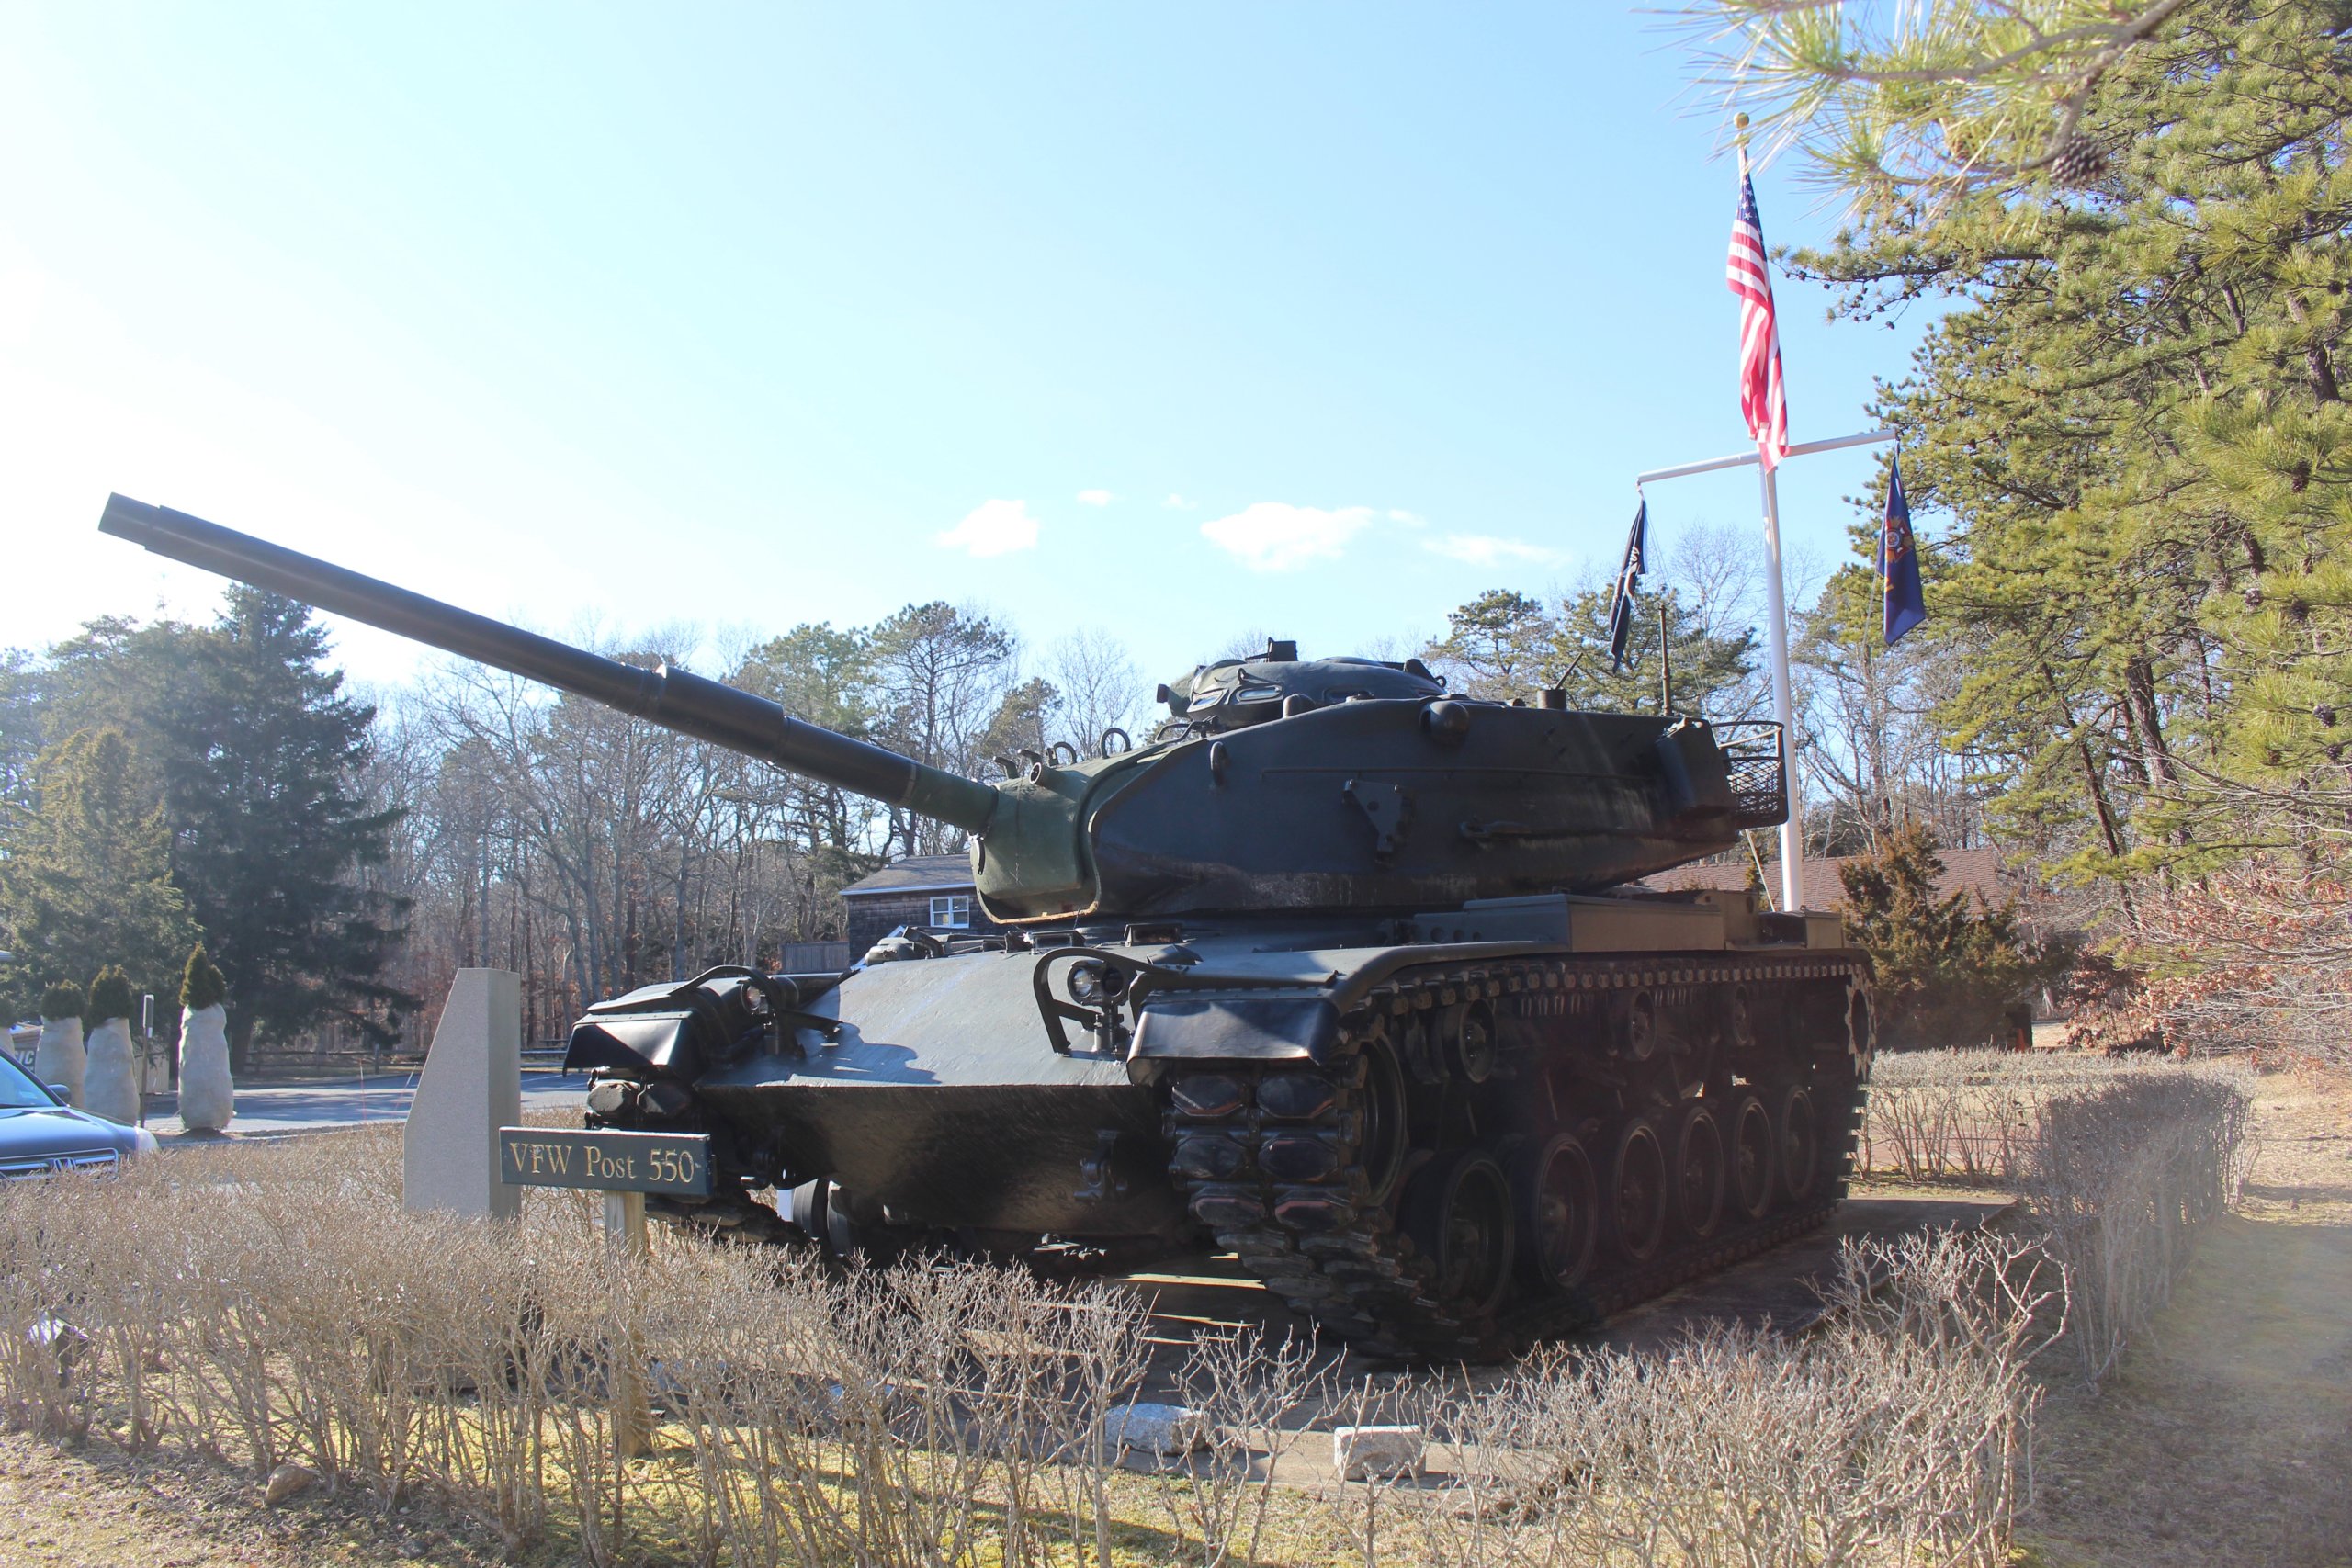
(1487, 550)
(1178, 503)
(992, 528)
(1270, 535)
(1095, 496)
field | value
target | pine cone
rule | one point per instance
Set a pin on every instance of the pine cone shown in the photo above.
(2078, 162)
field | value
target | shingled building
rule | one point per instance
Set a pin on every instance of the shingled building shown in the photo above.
(919, 890)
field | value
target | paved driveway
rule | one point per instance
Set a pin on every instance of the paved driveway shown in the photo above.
(271, 1108)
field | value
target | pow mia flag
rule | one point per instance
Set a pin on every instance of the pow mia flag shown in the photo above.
(1629, 577)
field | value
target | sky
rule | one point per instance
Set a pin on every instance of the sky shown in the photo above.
(1179, 323)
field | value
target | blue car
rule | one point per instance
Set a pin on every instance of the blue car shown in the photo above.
(40, 1134)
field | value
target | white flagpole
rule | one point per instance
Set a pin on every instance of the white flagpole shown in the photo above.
(1776, 623)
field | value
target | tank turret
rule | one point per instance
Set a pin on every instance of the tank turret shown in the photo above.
(1273, 783)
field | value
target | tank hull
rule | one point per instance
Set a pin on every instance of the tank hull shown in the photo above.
(1314, 1099)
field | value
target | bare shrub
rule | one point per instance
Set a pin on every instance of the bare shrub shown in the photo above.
(2119, 1177)
(1964, 1115)
(1898, 1433)
(248, 1306)
(1245, 1389)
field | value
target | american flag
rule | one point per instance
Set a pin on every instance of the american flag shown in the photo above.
(1763, 398)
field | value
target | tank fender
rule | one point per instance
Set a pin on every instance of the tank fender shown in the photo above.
(1197, 1028)
(682, 1029)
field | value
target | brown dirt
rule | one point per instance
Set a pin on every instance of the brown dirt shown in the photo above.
(2227, 1440)
(94, 1507)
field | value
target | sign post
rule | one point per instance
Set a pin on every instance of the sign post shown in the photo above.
(625, 1167)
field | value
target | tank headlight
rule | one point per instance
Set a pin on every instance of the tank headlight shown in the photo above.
(1089, 983)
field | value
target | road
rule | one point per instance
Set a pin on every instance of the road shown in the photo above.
(267, 1110)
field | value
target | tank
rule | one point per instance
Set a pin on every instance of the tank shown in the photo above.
(1335, 970)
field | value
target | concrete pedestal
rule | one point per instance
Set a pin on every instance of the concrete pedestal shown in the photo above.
(208, 1094)
(472, 1085)
(60, 1058)
(110, 1085)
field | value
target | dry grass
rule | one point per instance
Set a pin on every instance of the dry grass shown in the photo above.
(225, 1309)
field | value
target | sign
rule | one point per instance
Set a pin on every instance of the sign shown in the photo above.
(677, 1163)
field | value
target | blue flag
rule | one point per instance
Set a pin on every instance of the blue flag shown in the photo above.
(1629, 576)
(1898, 562)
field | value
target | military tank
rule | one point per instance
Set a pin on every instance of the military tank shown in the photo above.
(1338, 968)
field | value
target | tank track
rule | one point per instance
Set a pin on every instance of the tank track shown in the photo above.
(1309, 1227)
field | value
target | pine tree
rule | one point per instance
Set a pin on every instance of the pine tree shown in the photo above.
(20, 739)
(1028, 717)
(1503, 645)
(86, 881)
(1943, 970)
(261, 785)
(2135, 414)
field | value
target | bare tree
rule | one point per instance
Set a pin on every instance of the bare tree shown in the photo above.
(1099, 687)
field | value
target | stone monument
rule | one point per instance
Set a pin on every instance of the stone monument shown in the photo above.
(472, 1085)
(208, 1094)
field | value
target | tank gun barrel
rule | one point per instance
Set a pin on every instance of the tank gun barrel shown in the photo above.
(676, 699)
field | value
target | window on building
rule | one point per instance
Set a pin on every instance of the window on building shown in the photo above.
(953, 909)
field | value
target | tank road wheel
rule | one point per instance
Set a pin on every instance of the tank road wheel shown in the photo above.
(1459, 1214)
(1563, 1215)
(1641, 1026)
(1637, 1192)
(1751, 1170)
(1473, 1033)
(1699, 1172)
(1797, 1142)
(1740, 1027)
(804, 1206)
(824, 1210)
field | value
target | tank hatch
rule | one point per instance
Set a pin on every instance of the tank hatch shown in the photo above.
(1235, 693)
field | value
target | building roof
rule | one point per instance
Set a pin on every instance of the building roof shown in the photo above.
(915, 874)
(1965, 871)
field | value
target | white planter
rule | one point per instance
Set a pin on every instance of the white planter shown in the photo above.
(60, 1058)
(208, 1097)
(111, 1085)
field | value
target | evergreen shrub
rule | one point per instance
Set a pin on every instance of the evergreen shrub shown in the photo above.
(63, 999)
(110, 995)
(201, 986)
